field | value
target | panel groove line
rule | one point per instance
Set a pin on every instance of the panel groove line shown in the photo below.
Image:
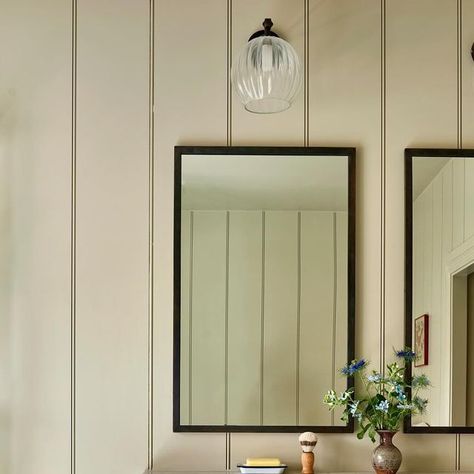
(459, 145)
(306, 73)
(229, 143)
(226, 323)
(452, 212)
(229, 68)
(298, 319)
(383, 186)
(262, 318)
(334, 312)
(459, 71)
(73, 230)
(190, 304)
(151, 220)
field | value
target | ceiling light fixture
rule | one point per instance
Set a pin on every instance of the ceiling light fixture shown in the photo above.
(266, 75)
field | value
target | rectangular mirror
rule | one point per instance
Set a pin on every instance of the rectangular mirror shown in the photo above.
(264, 286)
(439, 322)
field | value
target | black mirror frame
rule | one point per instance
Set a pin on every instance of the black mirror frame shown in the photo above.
(179, 151)
(411, 153)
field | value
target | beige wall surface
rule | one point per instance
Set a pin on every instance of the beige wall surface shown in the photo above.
(94, 95)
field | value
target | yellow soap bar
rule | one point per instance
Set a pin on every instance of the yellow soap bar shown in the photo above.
(263, 462)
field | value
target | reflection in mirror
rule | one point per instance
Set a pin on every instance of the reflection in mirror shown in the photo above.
(264, 297)
(442, 303)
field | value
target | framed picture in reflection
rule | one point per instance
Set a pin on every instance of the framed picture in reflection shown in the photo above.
(421, 340)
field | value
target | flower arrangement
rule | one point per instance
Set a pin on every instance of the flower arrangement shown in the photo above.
(386, 401)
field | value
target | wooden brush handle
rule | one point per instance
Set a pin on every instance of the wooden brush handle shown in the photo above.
(307, 462)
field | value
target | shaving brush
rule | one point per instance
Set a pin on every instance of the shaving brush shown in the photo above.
(307, 441)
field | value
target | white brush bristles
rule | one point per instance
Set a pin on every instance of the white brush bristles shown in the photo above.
(308, 441)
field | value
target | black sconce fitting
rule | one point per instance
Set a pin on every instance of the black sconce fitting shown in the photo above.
(267, 26)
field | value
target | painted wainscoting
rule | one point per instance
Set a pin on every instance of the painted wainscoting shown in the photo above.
(94, 95)
(267, 359)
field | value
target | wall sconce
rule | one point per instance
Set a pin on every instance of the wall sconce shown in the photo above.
(266, 75)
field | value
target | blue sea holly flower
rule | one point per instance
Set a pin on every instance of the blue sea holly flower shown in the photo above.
(400, 393)
(406, 354)
(383, 406)
(353, 367)
(420, 381)
(375, 377)
(420, 403)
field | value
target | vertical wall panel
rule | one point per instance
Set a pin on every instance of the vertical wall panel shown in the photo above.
(208, 318)
(35, 162)
(421, 110)
(445, 323)
(6, 334)
(448, 208)
(280, 318)
(417, 257)
(186, 306)
(429, 267)
(341, 298)
(190, 108)
(437, 272)
(317, 315)
(285, 128)
(427, 248)
(345, 109)
(245, 318)
(459, 351)
(424, 273)
(112, 237)
(469, 198)
(458, 202)
(336, 71)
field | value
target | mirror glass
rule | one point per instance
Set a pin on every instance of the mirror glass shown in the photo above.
(264, 297)
(442, 296)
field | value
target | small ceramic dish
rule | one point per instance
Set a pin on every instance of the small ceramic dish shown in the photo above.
(262, 469)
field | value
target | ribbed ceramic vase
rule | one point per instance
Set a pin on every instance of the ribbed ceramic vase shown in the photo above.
(387, 457)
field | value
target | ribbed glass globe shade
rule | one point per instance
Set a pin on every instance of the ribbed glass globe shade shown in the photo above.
(266, 75)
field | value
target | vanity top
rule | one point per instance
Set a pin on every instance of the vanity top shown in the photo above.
(299, 472)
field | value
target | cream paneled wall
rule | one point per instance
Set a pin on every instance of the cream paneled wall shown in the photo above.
(35, 124)
(111, 236)
(88, 375)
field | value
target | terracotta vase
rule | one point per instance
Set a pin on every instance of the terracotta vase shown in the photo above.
(387, 457)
